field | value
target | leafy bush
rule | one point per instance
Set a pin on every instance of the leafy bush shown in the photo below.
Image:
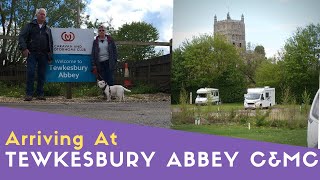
(306, 99)
(261, 117)
(12, 89)
(53, 89)
(87, 89)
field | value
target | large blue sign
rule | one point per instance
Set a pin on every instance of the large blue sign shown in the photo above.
(70, 68)
(71, 56)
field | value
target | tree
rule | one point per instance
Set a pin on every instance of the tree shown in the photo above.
(178, 75)
(270, 74)
(95, 25)
(301, 68)
(208, 61)
(15, 14)
(251, 61)
(136, 31)
(260, 50)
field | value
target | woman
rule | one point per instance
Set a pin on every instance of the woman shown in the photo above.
(104, 56)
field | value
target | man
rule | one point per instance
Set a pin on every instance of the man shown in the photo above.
(104, 56)
(35, 42)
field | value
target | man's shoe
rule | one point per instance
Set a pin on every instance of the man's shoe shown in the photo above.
(28, 98)
(41, 98)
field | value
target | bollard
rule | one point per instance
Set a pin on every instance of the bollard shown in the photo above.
(126, 70)
(197, 121)
(127, 81)
(190, 97)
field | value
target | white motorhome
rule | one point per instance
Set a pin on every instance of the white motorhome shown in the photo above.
(313, 123)
(259, 98)
(207, 95)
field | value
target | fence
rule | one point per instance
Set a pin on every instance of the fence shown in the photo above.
(154, 72)
(13, 73)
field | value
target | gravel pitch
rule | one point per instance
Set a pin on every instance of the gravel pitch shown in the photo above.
(143, 109)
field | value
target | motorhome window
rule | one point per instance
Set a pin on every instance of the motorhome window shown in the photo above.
(202, 95)
(315, 110)
(267, 95)
(252, 96)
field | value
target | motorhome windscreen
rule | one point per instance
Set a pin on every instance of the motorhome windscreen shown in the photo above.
(315, 111)
(202, 95)
(252, 96)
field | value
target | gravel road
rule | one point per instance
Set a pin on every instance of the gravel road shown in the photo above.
(149, 110)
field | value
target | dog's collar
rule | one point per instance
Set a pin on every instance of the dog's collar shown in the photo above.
(104, 88)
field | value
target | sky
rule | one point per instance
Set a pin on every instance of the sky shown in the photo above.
(159, 13)
(268, 23)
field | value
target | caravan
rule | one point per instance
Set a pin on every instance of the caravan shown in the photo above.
(207, 95)
(259, 98)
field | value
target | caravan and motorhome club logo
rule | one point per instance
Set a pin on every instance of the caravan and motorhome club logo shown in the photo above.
(67, 36)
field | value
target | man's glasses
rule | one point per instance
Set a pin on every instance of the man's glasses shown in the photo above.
(101, 30)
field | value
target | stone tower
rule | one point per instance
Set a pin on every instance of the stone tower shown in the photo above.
(234, 30)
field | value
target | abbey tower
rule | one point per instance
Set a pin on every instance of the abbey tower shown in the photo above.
(234, 30)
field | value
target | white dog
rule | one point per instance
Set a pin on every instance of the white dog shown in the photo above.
(115, 90)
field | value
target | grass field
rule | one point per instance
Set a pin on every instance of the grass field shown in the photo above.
(230, 106)
(226, 107)
(296, 137)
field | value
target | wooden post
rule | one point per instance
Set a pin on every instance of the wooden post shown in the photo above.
(171, 48)
(149, 71)
(68, 90)
(69, 84)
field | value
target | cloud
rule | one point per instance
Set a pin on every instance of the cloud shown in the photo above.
(184, 36)
(271, 52)
(180, 37)
(158, 13)
(284, 1)
(277, 35)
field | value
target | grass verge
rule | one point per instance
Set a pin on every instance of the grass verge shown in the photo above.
(297, 137)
